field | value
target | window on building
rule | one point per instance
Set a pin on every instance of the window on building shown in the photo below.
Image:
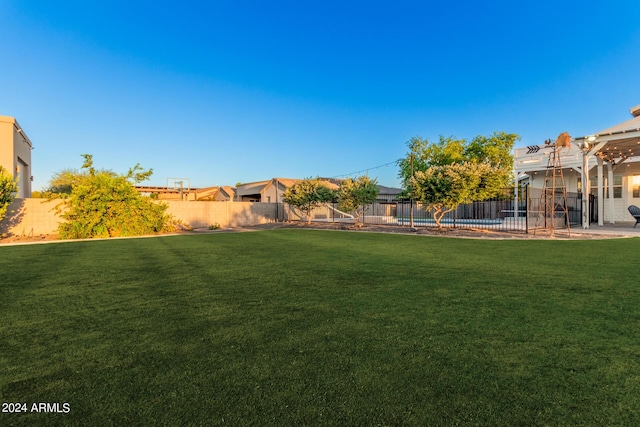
(617, 186)
(635, 185)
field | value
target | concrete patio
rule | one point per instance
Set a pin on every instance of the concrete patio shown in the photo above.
(624, 228)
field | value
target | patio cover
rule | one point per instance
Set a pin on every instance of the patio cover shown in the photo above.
(612, 146)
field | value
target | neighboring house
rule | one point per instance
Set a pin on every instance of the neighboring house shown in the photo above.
(215, 194)
(251, 191)
(605, 164)
(15, 154)
(226, 194)
(388, 194)
(270, 191)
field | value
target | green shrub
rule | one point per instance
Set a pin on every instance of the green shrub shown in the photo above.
(104, 204)
(8, 188)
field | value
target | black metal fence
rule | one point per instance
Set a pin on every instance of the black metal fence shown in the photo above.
(505, 212)
(512, 211)
(547, 209)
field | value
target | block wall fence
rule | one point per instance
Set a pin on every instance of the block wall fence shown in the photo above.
(34, 217)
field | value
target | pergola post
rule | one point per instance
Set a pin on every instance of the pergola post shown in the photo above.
(610, 204)
(600, 192)
(586, 190)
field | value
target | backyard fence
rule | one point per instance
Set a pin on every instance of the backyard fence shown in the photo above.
(510, 211)
(546, 209)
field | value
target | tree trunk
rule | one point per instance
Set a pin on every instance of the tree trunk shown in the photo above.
(438, 214)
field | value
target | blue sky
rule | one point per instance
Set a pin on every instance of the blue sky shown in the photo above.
(222, 92)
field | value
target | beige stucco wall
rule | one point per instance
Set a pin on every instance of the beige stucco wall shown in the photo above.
(6, 144)
(37, 216)
(15, 154)
(270, 194)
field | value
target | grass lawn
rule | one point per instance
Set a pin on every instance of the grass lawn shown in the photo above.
(299, 327)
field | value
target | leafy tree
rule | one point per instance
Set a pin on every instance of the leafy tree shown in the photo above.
(104, 204)
(443, 188)
(8, 188)
(62, 182)
(451, 172)
(356, 194)
(308, 194)
(494, 150)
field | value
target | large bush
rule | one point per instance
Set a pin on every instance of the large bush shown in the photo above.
(105, 204)
(8, 188)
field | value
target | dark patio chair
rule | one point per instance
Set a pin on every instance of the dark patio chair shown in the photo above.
(635, 212)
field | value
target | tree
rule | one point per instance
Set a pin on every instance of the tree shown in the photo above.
(356, 194)
(444, 188)
(62, 182)
(308, 194)
(494, 150)
(8, 188)
(452, 171)
(104, 204)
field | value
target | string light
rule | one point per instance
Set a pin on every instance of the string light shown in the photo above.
(364, 170)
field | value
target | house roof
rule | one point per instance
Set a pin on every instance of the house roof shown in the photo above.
(632, 125)
(621, 142)
(615, 144)
(251, 188)
(228, 191)
(255, 188)
(389, 190)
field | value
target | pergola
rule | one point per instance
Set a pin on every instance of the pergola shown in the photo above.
(613, 146)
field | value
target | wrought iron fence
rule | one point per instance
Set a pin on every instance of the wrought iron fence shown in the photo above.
(520, 211)
(505, 212)
(546, 209)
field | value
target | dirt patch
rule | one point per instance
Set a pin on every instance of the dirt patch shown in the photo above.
(465, 233)
(468, 233)
(27, 238)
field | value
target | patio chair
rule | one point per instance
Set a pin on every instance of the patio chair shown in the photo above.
(635, 212)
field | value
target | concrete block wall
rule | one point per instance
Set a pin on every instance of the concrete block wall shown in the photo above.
(30, 217)
(226, 214)
(34, 217)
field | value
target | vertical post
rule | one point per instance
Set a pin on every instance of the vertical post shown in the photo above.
(515, 198)
(333, 212)
(586, 190)
(611, 208)
(277, 202)
(526, 209)
(600, 192)
(411, 205)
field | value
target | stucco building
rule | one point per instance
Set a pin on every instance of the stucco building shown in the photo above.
(15, 154)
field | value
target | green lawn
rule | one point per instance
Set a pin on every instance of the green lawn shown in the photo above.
(298, 327)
